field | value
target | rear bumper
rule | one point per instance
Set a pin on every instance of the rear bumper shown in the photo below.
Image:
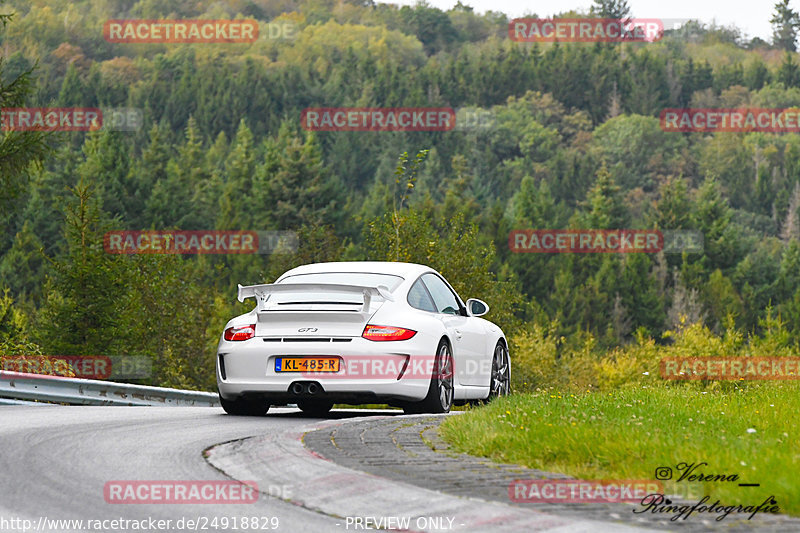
(370, 372)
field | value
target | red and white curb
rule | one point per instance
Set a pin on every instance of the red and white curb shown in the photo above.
(323, 486)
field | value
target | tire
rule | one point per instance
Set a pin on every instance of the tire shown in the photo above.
(440, 391)
(500, 380)
(412, 408)
(315, 407)
(244, 406)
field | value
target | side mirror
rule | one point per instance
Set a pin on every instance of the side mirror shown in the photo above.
(477, 307)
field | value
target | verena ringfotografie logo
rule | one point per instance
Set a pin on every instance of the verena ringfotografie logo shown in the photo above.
(180, 31)
(773, 120)
(730, 368)
(555, 241)
(180, 492)
(378, 119)
(581, 491)
(199, 242)
(585, 30)
(692, 474)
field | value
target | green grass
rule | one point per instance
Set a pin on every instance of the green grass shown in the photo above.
(627, 434)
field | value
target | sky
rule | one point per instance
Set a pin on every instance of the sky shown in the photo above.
(750, 16)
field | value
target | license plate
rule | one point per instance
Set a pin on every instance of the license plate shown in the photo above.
(306, 364)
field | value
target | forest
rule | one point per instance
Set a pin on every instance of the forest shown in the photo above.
(570, 138)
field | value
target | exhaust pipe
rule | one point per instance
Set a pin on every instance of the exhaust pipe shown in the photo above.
(311, 388)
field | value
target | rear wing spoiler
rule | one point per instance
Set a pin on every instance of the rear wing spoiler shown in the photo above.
(260, 292)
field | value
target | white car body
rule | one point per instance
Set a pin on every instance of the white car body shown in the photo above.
(322, 310)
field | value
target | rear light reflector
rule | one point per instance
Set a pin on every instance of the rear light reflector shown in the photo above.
(387, 333)
(241, 333)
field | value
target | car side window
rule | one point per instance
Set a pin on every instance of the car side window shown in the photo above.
(443, 297)
(419, 298)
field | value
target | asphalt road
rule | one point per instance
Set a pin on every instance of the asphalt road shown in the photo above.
(57, 460)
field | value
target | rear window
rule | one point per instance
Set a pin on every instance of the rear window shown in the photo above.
(419, 298)
(347, 278)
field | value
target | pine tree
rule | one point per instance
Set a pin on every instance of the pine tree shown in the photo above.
(458, 196)
(22, 267)
(685, 308)
(82, 297)
(785, 23)
(107, 165)
(536, 207)
(149, 173)
(300, 190)
(614, 103)
(712, 216)
(612, 9)
(756, 75)
(607, 208)
(235, 212)
(14, 323)
(73, 91)
(188, 178)
(49, 193)
(791, 227)
(209, 191)
(789, 275)
(721, 299)
(789, 71)
(673, 208)
(18, 150)
(644, 303)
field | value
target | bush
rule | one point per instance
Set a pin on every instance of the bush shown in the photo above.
(541, 360)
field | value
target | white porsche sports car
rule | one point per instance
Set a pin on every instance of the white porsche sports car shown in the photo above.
(360, 332)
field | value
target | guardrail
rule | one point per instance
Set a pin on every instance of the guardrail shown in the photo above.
(9, 401)
(75, 391)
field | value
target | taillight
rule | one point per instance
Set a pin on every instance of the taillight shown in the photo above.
(387, 333)
(242, 333)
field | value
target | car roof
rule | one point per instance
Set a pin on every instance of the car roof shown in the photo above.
(405, 270)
